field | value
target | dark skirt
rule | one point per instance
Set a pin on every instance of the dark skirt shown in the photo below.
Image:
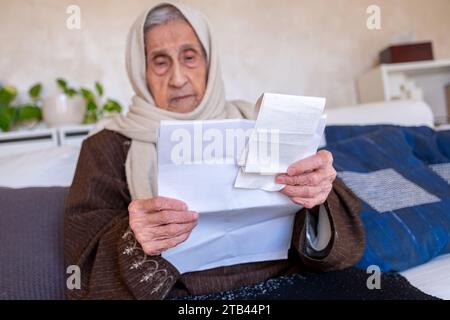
(348, 284)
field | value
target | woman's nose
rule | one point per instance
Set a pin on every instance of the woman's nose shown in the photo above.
(178, 78)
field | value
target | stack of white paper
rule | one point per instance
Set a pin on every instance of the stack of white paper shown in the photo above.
(235, 225)
(198, 164)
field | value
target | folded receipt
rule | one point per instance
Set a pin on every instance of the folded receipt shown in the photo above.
(288, 129)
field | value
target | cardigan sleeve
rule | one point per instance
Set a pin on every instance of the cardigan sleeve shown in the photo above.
(318, 230)
(96, 229)
(346, 244)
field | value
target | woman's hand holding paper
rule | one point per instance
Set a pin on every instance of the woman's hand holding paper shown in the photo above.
(309, 181)
(160, 223)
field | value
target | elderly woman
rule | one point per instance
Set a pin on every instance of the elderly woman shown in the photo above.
(116, 226)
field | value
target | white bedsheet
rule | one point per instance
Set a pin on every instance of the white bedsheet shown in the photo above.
(53, 166)
(432, 277)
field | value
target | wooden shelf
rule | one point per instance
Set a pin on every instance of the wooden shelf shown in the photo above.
(422, 80)
(416, 66)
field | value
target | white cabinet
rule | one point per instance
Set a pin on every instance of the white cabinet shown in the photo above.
(73, 135)
(424, 80)
(21, 141)
(16, 142)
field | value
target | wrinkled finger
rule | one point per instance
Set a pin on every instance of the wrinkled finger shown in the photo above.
(156, 247)
(310, 203)
(307, 179)
(305, 165)
(314, 178)
(172, 230)
(169, 217)
(314, 162)
(156, 204)
(302, 191)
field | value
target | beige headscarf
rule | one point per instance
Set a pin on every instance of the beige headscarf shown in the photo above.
(143, 118)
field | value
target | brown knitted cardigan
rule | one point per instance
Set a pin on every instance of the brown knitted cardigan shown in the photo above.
(113, 265)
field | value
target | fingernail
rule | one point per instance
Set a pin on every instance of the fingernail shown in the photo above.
(291, 171)
(281, 180)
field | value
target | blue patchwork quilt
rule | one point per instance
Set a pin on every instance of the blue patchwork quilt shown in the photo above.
(402, 176)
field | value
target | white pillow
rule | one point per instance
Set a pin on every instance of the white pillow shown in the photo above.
(53, 166)
(400, 112)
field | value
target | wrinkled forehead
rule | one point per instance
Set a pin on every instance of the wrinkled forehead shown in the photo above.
(184, 31)
(172, 38)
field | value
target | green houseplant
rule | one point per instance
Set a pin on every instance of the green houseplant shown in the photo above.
(95, 108)
(64, 108)
(16, 114)
(72, 106)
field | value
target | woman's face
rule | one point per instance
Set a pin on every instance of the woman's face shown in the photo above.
(176, 66)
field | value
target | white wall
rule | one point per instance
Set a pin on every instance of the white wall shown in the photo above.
(310, 47)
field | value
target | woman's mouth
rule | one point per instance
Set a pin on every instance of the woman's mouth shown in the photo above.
(180, 98)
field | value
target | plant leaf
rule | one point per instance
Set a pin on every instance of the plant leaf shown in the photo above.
(112, 106)
(90, 117)
(87, 94)
(35, 91)
(7, 95)
(62, 83)
(91, 105)
(99, 88)
(70, 92)
(28, 112)
(6, 118)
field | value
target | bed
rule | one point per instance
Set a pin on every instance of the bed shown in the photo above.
(432, 277)
(55, 167)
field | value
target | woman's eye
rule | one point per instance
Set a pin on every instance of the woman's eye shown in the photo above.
(190, 57)
(160, 63)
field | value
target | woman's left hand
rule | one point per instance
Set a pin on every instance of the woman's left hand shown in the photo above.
(309, 181)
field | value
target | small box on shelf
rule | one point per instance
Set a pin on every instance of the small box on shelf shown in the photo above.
(407, 53)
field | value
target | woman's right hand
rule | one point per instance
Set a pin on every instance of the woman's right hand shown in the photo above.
(160, 223)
